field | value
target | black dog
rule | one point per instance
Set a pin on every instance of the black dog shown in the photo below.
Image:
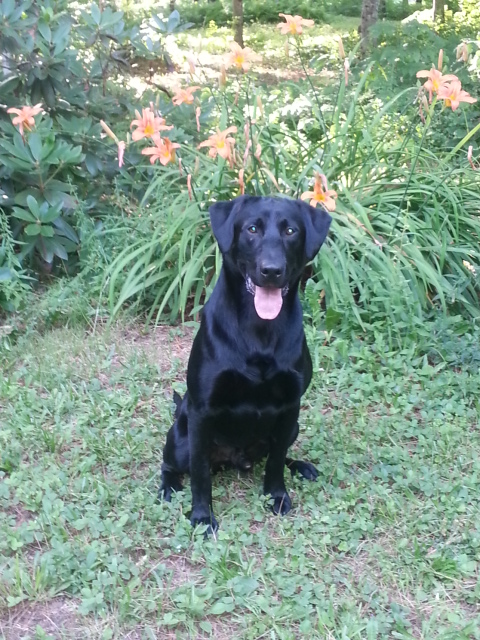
(250, 363)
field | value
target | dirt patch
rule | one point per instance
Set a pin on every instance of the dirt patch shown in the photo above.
(164, 346)
(58, 618)
(20, 514)
(208, 67)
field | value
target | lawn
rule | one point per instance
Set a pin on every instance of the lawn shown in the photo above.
(385, 545)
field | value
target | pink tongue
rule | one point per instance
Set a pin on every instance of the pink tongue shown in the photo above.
(268, 302)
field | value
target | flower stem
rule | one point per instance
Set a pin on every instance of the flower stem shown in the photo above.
(305, 71)
(414, 163)
(250, 127)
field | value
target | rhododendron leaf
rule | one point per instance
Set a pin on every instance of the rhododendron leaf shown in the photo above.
(33, 229)
(47, 231)
(22, 214)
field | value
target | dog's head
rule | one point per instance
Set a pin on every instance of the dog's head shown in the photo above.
(268, 241)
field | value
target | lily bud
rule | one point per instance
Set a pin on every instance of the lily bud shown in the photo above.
(241, 181)
(108, 131)
(121, 151)
(260, 105)
(222, 80)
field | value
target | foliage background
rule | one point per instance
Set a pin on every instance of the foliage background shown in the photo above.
(79, 64)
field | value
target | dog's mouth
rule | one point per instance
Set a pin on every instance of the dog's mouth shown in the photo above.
(268, 301)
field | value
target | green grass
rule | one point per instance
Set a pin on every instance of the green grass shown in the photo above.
(385, 545)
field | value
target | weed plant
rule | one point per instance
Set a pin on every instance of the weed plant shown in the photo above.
(385, 545)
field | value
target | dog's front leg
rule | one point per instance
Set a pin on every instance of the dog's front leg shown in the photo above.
(201, 481)
(274, 483)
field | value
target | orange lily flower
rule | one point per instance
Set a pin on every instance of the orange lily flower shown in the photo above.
(25, 116)
(240, 58)
(221, 144)
(293, 25)
(321, 194)
(148, 125)
(164, 150)
(435, 80)
(184, 95)
(453, 94)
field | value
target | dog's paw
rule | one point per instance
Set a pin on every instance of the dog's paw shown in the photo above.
(304, 469)
(210, 521)
(281, 504)
(165, 494)
(166, 491)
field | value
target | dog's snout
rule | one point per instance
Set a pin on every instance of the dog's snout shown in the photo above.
(271, 271)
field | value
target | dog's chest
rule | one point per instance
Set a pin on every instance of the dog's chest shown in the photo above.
(259, 387)
(246, 407)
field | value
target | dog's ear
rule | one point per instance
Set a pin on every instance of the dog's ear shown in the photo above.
(222, 218)
(317, 223)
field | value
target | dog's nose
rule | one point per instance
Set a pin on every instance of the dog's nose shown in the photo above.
(270, 271)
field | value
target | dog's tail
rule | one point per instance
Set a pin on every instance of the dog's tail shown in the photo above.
(177, 399)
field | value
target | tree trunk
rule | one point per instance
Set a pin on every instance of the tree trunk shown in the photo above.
(369, 17)
(238, 21)
(439, 10)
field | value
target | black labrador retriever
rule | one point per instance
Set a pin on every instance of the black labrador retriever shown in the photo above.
(249, 364)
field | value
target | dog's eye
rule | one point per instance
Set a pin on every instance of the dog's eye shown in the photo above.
(289, 231)
(253, 229)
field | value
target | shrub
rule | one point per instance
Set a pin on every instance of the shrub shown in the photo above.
(73, 61)
(13, 284)
(203, 12)
(220, 11)
(39, 170)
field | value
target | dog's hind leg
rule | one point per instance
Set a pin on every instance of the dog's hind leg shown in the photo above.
(175, 455)
(175, 465)
(171, 482)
